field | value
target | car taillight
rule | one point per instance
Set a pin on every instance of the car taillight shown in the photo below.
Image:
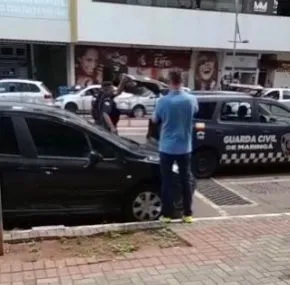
(47, 96)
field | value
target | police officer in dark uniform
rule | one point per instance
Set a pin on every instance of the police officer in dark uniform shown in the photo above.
(104, 109)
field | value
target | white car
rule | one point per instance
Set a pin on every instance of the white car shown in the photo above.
(25, 91)
(79, 101)
(280, 94)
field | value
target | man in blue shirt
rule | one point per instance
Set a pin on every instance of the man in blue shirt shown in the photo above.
(175, 113)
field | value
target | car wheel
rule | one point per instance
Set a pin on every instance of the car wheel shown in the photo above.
(204, 163)
(138, 112)
(143, 205)
(71, 107)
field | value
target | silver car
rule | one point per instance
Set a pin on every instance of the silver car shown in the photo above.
(142, 99)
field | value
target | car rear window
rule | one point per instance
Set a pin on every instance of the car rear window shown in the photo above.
(205, 110)
(45, 88)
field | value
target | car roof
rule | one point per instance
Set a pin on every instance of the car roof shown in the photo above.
(221, 98)
(20, 80)
(93, 86)
(142, 78)
(40, 109)
(218, 92)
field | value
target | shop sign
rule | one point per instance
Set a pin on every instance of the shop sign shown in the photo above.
(249, 142)
(261, 6)
(44, 9)
(241, 61)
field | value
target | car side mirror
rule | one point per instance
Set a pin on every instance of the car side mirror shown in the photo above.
(93, 159)
(272, 120)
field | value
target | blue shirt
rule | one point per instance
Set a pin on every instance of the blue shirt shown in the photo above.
(175, 112)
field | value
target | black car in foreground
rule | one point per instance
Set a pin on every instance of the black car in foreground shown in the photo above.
(236, 129)
(53, 162)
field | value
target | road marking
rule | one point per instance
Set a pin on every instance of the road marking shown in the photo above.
(253, 203)
(239, 217)
(210, 203)
(259, 181)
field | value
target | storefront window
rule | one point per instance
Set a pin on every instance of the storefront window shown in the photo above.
(218, 5)
(263, 7)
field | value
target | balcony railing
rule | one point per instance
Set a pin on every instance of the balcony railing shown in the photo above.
(266, 7)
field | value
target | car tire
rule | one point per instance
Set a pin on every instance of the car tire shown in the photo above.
(72, 107)
(138, 112)
(134, 209)
(135, 205)
(204, 163)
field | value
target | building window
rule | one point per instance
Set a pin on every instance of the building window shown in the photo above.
(212, 5)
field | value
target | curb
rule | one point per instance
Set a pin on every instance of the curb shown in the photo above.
(57, 232)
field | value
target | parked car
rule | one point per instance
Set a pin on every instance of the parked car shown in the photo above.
(236, 130)
(216, 93)
(253, 90)
(79, 101)
(145, 98)
(280, 94)
(52, 162)
(25, 91)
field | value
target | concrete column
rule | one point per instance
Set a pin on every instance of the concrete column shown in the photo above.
(70, 64)
(191, 70)
(257, 70)
(32, 61)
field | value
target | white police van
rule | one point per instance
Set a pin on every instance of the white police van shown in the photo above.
(238, 129)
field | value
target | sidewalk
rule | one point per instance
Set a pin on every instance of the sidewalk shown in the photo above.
(231, 251)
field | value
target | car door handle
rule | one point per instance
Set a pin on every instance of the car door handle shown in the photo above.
(49, 168)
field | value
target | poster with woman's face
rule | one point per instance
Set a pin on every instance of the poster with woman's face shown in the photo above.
(87, 65)
(94, 65)
(206, 71)
(97, 64)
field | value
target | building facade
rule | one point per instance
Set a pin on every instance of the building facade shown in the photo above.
(68, 42)
(34, 40)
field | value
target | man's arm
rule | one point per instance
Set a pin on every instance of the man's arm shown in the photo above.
(109, 122)
(156, 116)
(107, 108)
(124, 79)
(195, 105)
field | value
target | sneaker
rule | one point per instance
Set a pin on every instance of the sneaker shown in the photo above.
(165, 220)
(187, 219)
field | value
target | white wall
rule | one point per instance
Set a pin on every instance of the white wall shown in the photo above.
(35, 20)
(128, 24)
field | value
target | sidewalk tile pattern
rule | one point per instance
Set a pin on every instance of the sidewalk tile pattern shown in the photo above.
(229, 252)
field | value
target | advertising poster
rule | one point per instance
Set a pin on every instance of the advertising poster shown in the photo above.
(206, 71)
(97, 64)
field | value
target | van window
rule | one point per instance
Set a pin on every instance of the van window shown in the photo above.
(286, 94)
(236, 111)
(273, 95)
(205, 110)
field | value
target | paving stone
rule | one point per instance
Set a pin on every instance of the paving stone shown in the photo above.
(230, 252)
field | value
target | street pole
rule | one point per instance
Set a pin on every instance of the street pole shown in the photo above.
(236, 31)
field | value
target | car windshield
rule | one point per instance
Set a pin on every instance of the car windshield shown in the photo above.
(124, 142)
